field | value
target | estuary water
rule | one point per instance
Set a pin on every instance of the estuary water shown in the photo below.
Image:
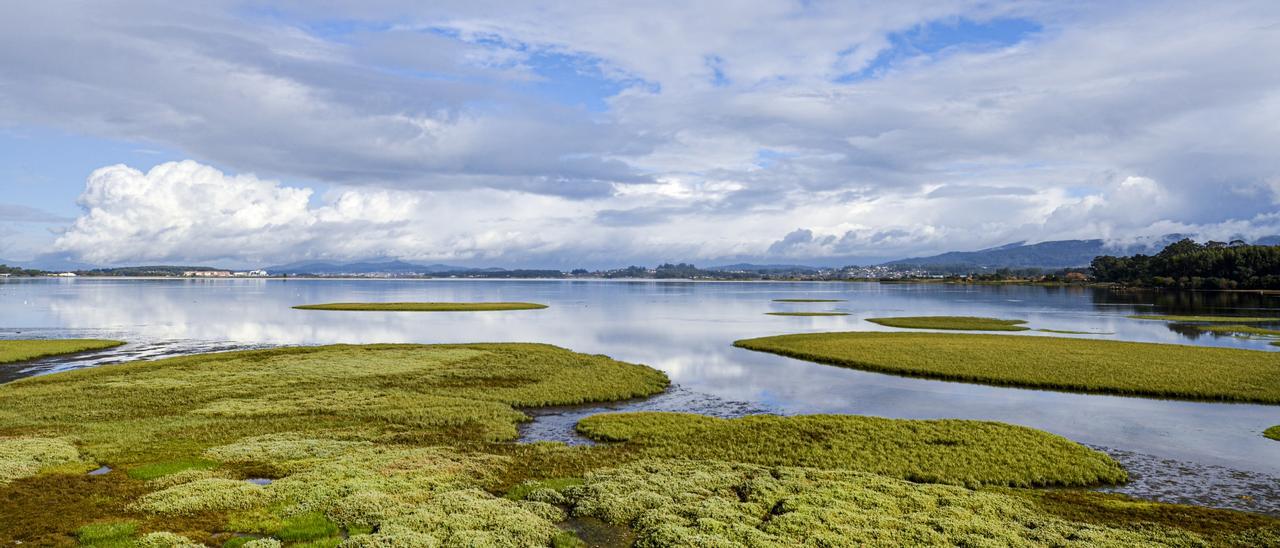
(1207, 453)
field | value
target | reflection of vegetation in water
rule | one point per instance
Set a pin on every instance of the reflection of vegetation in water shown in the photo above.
(1274, 431)
(30, 349)
(1185, 302)
(1204, 319)
(937, 451)
(807, 313)
(346, 430)
(963, 323)
(709, 503)
(808, 300)
(422, 307)
(1089, 365)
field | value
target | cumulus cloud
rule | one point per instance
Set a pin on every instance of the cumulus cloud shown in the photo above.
(563, 133)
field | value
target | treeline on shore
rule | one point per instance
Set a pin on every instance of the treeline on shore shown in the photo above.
(1190, 265)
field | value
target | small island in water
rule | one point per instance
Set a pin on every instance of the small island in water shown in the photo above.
(424, 306)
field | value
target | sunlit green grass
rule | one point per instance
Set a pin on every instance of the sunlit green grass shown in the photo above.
(709, 503)
(423, 307)
(155, 470)
(354, 436)
(408, 445)
(964, 323)
(1088, 365)
(807, 313)
(1273, 432)
(956, 452)
(1240, 330)
(1205, 319)
(108, 535)
(808, 300)
(31, 349)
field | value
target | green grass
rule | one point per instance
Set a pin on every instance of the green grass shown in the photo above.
(964, 323)
(30, 349)
(808, 300)
(958, 452)
(710, 503)
(160, 469)
(1085, 365)
(352, 434)
(117, 534)
(423, 307)
(1273, 433)
(409, 445)
(1239, 330)
(307, 526)
(807, 313)
(1204, 319)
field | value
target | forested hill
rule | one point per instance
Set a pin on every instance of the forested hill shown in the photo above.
(1046, 255)
(1190, 265)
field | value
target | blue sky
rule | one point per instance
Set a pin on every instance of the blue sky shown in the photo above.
(566, 134)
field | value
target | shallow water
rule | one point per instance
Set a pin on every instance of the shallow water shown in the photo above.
(1191, 451)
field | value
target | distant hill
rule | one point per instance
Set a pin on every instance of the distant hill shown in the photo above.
(146, 270)
(1046, 255)
(774, 268)
(370, 267)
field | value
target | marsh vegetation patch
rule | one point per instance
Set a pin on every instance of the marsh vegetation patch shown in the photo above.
(1085, 365)
(807, 313)
(957, 452)
(809, 300)
(710, 503)
(21, 350)
(423, 306)
(961, 323)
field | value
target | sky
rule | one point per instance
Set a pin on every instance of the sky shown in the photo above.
(602, 134)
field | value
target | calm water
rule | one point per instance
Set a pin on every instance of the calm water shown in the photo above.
(1184, 451)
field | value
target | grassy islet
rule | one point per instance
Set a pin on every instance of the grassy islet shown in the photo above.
(423, 307)
(807, 313)
(957, 452)
(962, 323)
(1085, 365)
(22, 350)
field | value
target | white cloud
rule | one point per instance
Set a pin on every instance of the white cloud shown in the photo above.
(725, 127)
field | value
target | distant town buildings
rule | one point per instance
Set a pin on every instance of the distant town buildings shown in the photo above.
(224, 274)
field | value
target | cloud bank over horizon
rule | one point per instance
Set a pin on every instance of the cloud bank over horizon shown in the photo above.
(562, 135)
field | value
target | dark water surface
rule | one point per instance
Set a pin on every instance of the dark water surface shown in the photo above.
(1211, 453)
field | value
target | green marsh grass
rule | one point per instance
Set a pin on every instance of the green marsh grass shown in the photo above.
(12, 351)
(351, 433)
(965, 323)
(423, 307)
(957, 452)
(1084, 365)
(1204, 319)
(807, 313)
(711, 503)
(116, 534)
(809, 300)
(1246, 330)
(1273, 433)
